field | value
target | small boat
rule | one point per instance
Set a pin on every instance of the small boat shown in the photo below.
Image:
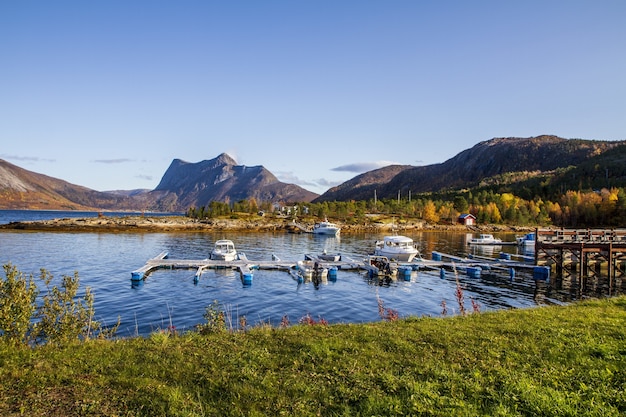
(324, 256)
(398, 248)
(326, 228)
(308, 270)
(526, 242)
(381, 266)
(224, 250)
(485, 239)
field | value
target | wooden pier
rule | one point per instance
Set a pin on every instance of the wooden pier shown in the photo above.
(589, 252)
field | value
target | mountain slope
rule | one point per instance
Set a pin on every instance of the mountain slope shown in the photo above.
(23, 189)
(186, 184)
(486, 159)
(362, 186)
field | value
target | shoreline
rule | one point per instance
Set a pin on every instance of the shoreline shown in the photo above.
(258, 224)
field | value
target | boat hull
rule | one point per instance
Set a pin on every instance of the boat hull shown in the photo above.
(398, 248)
(223, 256)
(326, 229)
(397, 256)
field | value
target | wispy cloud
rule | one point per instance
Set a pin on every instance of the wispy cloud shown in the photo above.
(360, 167)
(290, 178)
(145, 177)
(25, 158)
(112, 161)
(326, 183)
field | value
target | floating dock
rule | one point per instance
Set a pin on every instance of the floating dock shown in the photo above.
(298, 269)
(563, 251)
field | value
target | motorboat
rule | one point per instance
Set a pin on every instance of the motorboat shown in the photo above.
(326, 228)
(526, 242)
(324, 256)
(485, 239)
(224, 250)
(381, 266)
(398, 248)
(309, 270)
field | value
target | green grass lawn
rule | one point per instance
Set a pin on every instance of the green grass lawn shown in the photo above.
(548, 361)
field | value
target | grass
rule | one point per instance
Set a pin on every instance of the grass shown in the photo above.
(549, 361)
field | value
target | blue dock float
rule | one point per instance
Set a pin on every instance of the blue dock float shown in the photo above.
(541, 273)
(139, 274)
(473, 272)
(405, 272)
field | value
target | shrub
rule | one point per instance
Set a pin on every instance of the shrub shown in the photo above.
(61, 316)
(17, 305)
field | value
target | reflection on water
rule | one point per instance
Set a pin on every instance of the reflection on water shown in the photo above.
(104, 262)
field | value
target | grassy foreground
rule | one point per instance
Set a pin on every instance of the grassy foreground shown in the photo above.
(549, 361)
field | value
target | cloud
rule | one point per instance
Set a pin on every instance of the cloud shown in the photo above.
(144, 177)
(26, 158)
(289, 178)
(326, 183)
(112, 161)
(360, 167)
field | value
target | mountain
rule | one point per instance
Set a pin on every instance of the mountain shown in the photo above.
(186, 184)
(471, 167)
(183, 185)
(23, 189)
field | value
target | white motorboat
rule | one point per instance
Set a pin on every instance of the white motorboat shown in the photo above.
(485, 239)
(224, 250)
(326, 228)
(397, 248)
(324, 256)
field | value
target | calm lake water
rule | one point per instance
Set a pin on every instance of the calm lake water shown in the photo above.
(104, 262)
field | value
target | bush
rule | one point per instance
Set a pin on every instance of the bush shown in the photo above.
(17, 305)
(61, 316)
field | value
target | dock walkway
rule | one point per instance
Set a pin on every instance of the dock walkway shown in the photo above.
(245, 266)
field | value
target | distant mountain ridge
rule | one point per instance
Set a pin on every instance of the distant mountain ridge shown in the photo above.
(538, 163)
(183, 185)
(467, 169)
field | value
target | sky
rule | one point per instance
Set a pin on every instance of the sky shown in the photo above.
(105, 94)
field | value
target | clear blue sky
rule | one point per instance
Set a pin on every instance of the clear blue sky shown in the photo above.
(105, 94)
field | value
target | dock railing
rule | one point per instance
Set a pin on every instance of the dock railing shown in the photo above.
(562, 236)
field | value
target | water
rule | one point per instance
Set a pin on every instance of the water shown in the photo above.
(104, 262)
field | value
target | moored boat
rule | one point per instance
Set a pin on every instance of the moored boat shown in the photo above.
(224, 250)
(324, 256)
(381, 266)
(526, 242)
(485, 239)
(309, 270)
(326, 228)
(398, 248)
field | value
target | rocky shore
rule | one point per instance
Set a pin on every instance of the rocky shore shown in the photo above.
(257, 224)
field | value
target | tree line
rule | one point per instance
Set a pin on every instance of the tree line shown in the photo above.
(600, 208)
